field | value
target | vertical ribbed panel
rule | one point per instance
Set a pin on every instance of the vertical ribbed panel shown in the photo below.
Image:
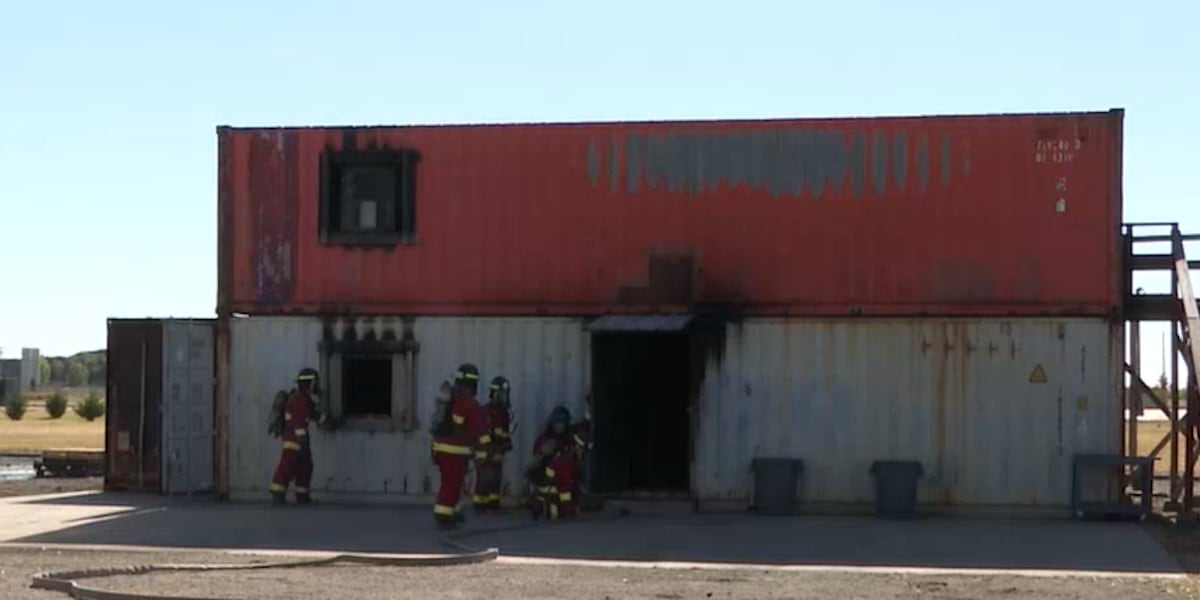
(546, 360)
(952, 393)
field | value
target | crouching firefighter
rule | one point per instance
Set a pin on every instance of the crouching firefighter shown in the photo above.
(458, 431)
(291, 424)
(555, 472)
(489, 460)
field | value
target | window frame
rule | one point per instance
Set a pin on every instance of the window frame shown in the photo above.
(403, 354)
(404, 163)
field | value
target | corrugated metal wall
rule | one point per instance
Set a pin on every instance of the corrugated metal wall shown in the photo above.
(546, 360)
(954, 394)
(908, 216)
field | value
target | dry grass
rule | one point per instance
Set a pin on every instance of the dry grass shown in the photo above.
(1150, 433)
(37, 431)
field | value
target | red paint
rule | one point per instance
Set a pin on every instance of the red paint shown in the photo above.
(510, 221)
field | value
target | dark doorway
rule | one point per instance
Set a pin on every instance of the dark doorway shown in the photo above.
(640, 384)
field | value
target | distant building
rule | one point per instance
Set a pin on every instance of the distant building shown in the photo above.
(21, 375)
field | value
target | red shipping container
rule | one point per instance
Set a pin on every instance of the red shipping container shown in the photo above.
(955, 215)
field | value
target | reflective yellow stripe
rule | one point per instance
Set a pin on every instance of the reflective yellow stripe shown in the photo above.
(441, 509)
(287, 416)
(480, 499)
(291, 445)
(579, 440)
(549, 472)
(459, 420)
(306, 378)
(485, 439)
(553, 511)
(565, 497)
(301, 432)
(275, 487)
(452, 449)
(500, 432)
(546, 490)
(481, 455)
(494, 497)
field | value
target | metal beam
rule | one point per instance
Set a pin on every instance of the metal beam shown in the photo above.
(1192, 330)
(1145, 389)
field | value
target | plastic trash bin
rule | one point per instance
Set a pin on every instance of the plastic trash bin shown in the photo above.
(896, 487)
(775, 481)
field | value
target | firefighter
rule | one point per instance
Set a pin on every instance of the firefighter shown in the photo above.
(560, 442)
(459, 431)
(295, 462)
(489, 461)
(561, 496)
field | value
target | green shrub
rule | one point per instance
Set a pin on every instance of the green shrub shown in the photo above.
(14, 407)
(56, 405)
(92, 407)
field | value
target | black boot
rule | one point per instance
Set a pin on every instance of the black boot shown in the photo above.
(278, 498)
(303, 499)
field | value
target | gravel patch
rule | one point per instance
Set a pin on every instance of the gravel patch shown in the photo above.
(50, 485)
(533, 582)
(18, 566)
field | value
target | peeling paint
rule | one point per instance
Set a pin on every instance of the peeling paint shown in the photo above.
(923, 162)
(614, 164)
(945, 160)
(879, 162)
(782, 163)
(858, 165)
(900, 160)
(273, 185)
(593, 162)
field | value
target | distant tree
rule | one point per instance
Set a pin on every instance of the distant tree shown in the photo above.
(96, 367)
(58, 371)
(14, 406)
(91, 407)
(47, 371)
(56, 405)
(76, 373)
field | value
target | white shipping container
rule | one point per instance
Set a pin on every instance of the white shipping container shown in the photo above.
(993, 408)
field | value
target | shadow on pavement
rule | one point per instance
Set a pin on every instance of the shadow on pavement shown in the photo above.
(707, 538)
(163, 523)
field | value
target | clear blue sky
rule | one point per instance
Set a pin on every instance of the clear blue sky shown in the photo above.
(108, 109)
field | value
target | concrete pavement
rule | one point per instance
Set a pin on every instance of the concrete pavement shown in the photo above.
(812, 541)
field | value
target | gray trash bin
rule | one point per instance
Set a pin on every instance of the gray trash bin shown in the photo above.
(775, 482)
(896, 487)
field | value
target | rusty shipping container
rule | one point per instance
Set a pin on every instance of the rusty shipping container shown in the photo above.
(159, 431)
(703, 282)
(1014, 215)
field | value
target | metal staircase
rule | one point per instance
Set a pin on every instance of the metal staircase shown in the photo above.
(1180, 310)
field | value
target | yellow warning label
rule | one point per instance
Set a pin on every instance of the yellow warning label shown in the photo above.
(1038, 375)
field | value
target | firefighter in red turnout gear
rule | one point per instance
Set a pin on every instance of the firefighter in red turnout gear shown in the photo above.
(561, 495)
(558, 459)
(295, 462)
(459, 431)
(489, 461)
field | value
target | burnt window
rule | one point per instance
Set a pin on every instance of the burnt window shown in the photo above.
(368, 197)
(367, 385)
(372, 383)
